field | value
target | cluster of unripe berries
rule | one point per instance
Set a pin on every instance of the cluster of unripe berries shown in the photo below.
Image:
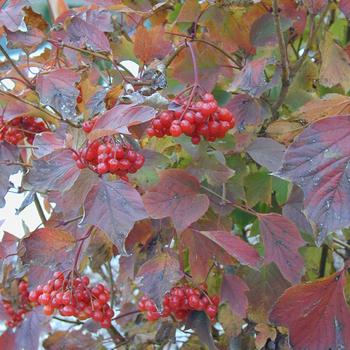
(74, 297)
(179, 302)
(107, 156)
(19, 128)
(16, 311)
(203, 118)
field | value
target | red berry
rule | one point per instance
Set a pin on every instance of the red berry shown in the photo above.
(211, 310)
(175, 130)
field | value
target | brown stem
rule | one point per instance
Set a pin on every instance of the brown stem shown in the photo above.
(323, 261)
(126, 314)
(237, 206)
(82, 240)
(25, 79)
(284, 59)
(39, 209)
(341, 243)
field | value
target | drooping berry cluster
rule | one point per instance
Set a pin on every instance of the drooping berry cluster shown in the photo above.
(88, 125)
(106, 156)
(19, 128)
(179, 303)
(17, 310)
(74, 297)
(203, 118)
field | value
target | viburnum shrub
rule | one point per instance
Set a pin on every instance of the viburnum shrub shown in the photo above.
(180, 172)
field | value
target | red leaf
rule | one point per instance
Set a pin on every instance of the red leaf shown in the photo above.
(176, 196)
(57, 171)
(57, 89)
(316, 314)
(151, 44)
(114, 207)
(247, 111)
(159, 274)
(344, 6)
(7, 153)
(119, 118)
(84, 34)
(8, 245)
(281, 241)
(7, 340)
(234, 246)
(318, 161)
(49, 247)
(267, 152)
(12, 15)
(233, 290)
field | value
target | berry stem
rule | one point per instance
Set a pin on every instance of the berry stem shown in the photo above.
(82, 240)
(126, 314)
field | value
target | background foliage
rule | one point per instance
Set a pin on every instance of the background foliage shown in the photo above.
(259, 217)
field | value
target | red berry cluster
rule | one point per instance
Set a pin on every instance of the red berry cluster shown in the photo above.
(179, 303)
(88, 125)
(17, 312)
(203, 118)
(17, 129)
(74, 297)
(103, 156)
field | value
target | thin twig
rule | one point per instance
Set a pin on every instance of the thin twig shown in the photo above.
(67, 321)
(284, 59)
(39, 209)
(237, 206)
(25, 79)
(111, 282)
(126, 314)
(341, 243)
(323, 261)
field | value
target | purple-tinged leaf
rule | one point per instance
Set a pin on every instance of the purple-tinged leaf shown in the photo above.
(199, 322)
(48, 142)
(28, 40)
(282, 241)
(247, 111)
(233, 290)
(344, 6)
(7, 153)
(71, 201)
(263, 32)
(159, 274)
(252, 80)
(176, 196)
(294, 208)
(315, 6)
(102, 18)
(57, 171)
(28, 333)
(83, 34)
(319, 162)
(12, 16)
(114, 207)
(57, 89)
(119, 118)
(267, 152)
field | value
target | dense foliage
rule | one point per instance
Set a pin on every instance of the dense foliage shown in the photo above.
(200, 203)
